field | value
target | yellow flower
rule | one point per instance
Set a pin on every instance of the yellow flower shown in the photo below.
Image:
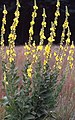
(11, 36)
(29, 75)
(42, 37)
(3, 29)
(27, 47)
(55, 22)
(4, 20)
(45, 62)
(61, 58)
(65, 25)
(31, 31)
(57, 13)
(40, 47)
(4, 76)
(64, 54)
(7, 52)
(32, 22)
(6, 83)
(50, 39)
(63, 34)
(17, 13)
(71, 65)
(71, 52)
(52, 29)
(35, 7)
(68, 40)
(44, 24)
(55, 53)
(11, 59)
(70, 58)
(18, 4)
(34, 14)
(57, 58)
(58, 3)
(44, 15)
(12, 27)
(4, 11)
(61, 47)
(59, 67)
(29, 71)
(72, 46)
(47, 48)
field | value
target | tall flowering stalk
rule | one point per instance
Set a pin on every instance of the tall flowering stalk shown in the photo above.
(12, 36)
(51, 39)
(70, 57)
(3, 33)
(42, 35)
(34, 15)
(59, 57)
(65, 26)
(57, 13)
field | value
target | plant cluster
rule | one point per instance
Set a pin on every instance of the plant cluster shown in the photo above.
(35, 94)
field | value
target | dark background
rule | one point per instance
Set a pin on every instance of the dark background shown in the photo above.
(25, 18)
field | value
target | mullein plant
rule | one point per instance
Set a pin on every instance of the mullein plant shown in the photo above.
(2, 53)
(10, 77)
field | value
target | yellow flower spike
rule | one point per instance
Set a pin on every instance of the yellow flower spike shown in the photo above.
(70, 57)
(34, 15)
(11, 54)
(42, 35)
(2, 53)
